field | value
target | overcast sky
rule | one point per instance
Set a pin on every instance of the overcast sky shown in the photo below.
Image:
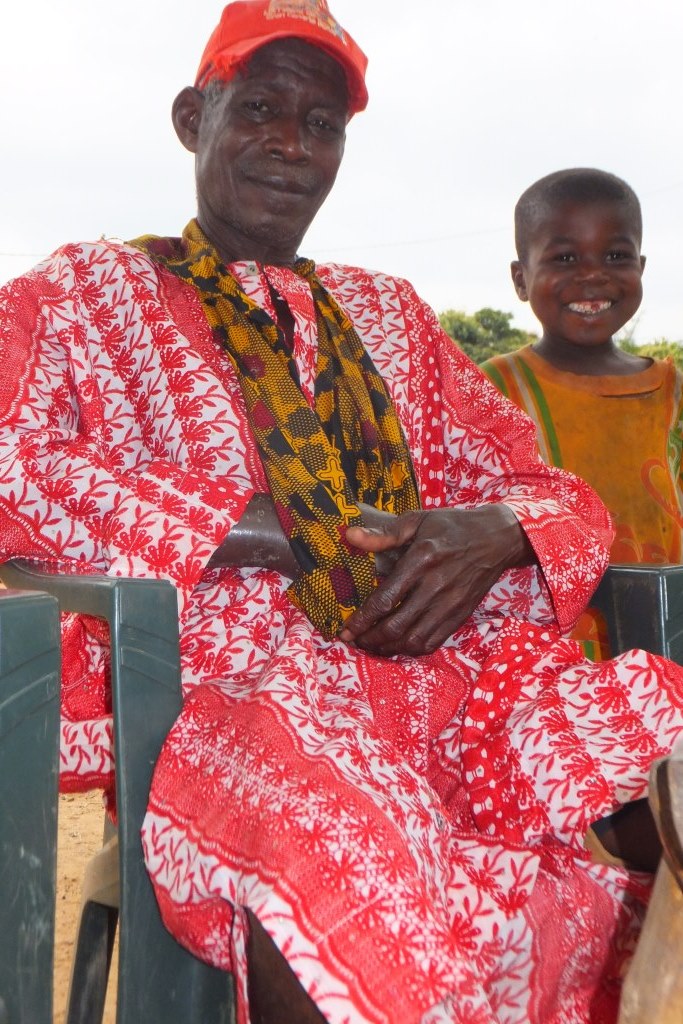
(470, 101)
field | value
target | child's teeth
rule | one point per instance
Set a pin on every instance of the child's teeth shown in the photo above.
(590, 307)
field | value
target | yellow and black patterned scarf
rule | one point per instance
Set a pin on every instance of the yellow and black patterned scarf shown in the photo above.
(319, 464)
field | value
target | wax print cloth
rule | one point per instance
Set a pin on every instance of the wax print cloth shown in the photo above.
(409, 831)
(624, 436)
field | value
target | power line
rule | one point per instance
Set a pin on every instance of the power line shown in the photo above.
(414, 241)
(24, 255)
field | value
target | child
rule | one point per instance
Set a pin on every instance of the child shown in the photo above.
(611, 417)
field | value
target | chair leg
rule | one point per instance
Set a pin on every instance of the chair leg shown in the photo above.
(92, 960)
(96, 934)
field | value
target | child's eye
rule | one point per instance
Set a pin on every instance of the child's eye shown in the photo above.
(564, 257)
(618, 255)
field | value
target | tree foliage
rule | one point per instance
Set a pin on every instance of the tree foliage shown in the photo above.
(486, 333)
(489, 332)
(658, 349)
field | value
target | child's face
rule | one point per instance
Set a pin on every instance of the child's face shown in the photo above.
(582, 273)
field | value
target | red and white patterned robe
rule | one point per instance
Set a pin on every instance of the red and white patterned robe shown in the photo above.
(408, 830)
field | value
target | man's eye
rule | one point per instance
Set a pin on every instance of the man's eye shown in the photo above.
(321, 124)
(256, 106)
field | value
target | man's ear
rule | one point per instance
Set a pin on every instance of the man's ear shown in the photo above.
(517, 273)
(187, 115)
(643, 261)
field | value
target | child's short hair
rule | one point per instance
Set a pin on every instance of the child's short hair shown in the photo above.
(577, 184)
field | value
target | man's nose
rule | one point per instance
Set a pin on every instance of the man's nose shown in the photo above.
(289, 139)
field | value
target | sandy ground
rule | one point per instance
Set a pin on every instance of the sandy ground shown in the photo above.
(80, 836)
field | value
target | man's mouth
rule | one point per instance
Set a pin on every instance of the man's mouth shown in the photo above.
(590, 307)
(278, 183)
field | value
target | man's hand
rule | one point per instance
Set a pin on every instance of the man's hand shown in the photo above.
(448, 560)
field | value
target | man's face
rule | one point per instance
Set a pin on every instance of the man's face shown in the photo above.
(582, 272)
(269, 146)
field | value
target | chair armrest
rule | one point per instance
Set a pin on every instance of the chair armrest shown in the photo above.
(643, 607)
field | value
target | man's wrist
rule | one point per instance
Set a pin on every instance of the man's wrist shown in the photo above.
(520, 550)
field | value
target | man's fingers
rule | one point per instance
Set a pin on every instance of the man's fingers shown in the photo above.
(417, 626)
(369, 539)
(385, 532)
(382, 601)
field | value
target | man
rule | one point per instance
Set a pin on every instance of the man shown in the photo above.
(372, 807)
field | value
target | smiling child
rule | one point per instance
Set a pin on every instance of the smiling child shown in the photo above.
(609, 416)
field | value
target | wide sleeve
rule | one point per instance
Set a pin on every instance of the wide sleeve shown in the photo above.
(490, 454)
(122, 449)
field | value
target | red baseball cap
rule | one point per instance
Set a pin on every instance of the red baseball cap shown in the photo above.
(247, 25)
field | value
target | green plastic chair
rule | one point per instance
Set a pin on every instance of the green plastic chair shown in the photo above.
(29, 766)
(643, 608)
(158, 980)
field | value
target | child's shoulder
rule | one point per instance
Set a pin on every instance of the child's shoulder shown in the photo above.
(518, 355)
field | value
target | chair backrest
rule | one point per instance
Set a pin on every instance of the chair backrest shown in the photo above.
(29, 769)
(643, 607)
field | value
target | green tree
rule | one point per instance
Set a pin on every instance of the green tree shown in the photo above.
(486, 333)
(660, 348)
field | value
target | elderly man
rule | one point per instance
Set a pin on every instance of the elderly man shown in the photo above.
(373, 805)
